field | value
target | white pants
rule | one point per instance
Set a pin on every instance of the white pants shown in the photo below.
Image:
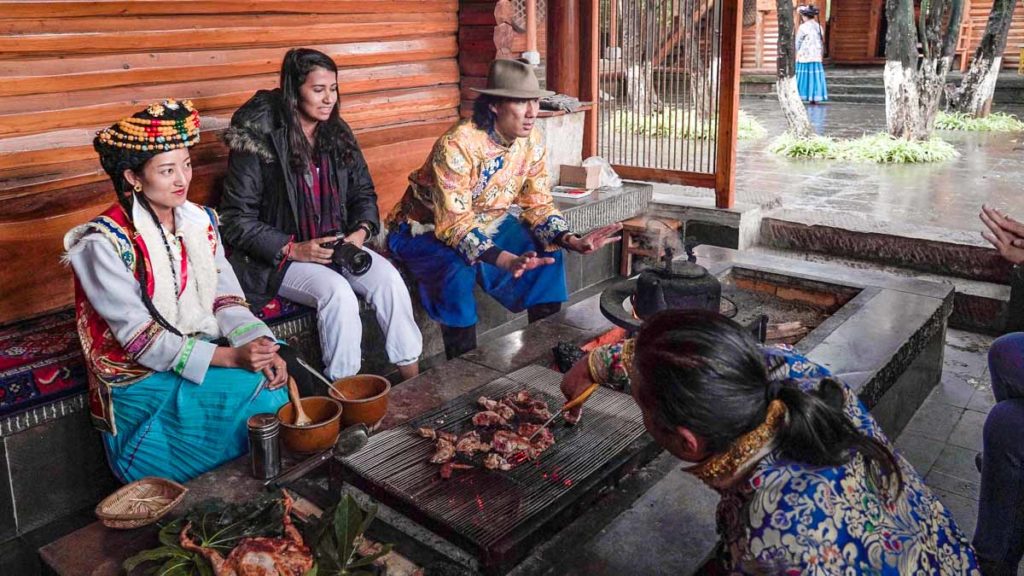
(337, 311)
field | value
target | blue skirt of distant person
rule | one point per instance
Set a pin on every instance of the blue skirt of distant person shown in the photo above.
(810, 82)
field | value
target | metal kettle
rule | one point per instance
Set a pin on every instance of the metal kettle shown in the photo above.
(676, 286)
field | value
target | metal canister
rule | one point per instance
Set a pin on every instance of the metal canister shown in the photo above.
(264, 450)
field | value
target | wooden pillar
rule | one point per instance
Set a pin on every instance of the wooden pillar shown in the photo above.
(729, 105)
(590, 14)
(532, 55)
(564, 47)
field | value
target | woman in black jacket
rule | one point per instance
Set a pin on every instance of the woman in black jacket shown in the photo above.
(296, 181)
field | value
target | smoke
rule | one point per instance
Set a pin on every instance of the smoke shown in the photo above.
(663, 234)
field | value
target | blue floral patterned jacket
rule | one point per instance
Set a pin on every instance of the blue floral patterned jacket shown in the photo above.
(785, 517)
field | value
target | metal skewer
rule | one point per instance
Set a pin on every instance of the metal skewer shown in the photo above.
(575, 402)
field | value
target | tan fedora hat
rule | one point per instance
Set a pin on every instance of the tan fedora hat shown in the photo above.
(512, 79)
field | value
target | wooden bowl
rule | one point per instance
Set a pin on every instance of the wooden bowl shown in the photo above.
(365, 398)
(320, 435)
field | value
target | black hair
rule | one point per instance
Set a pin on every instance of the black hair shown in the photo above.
(115, 161)
(705, 372)
(332, 135)
(483, 117)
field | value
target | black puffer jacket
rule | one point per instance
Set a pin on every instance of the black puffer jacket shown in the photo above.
(259, 204)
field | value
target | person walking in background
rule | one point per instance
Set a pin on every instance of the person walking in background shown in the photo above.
(810, 75)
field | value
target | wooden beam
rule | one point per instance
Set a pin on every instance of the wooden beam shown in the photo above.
(590, 57)
(729, 105)
(698, 179)
(874, 24)
(563, 47)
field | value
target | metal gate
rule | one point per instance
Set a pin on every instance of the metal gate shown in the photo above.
(665, 78)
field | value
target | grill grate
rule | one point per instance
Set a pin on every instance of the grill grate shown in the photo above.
(485, 510)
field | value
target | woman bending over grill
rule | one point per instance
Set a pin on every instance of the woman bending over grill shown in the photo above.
(172, 349)
(808, 481)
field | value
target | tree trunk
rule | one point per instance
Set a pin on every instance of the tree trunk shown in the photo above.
(974, 96)
(914, 82)
(641, 96)
(785, 84)
(902, 116)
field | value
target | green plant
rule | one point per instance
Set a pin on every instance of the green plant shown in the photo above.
(684, 123)
(337, 537)
(214, 525)
(995, 122)
(877, 148)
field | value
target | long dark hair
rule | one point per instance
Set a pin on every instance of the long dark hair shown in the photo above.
(126, 199)
(115, 161)
(332, 135)
(705, 372)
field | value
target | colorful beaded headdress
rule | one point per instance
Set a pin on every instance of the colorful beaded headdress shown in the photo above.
(164, 126)
(130, 143)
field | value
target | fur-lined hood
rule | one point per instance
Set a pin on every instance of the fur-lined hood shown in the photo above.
(253, 124)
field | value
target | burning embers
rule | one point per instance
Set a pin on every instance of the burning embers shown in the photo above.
(502, 434)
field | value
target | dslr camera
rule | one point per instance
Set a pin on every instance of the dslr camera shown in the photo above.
(348, 257)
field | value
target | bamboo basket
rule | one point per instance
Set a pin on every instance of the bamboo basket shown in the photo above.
(140, 503)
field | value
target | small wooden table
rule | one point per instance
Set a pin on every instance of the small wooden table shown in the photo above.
(641, 226)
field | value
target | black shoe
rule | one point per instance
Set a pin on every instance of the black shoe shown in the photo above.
(977, 461)
(542, 311)
(458, 341)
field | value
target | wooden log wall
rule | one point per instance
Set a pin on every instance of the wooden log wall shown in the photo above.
(71, 67)
(854, 34)
(978, 13)
(485, 34)
(760, 43)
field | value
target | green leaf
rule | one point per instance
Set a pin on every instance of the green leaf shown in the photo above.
(369, 514)
(311, 571)
(177, 567)
(367, 560)
(155, 555)
(169, 533)
(347, 522)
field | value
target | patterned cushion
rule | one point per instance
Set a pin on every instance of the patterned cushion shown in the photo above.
(40, 360)
(280, 310)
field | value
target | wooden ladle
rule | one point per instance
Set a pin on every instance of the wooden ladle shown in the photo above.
(301, 419)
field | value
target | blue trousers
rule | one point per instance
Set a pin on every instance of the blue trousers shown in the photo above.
(999, 537)
(446, 281)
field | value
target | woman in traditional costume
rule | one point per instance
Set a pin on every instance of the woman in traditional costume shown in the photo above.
(809, 483)
(296, 182)
(480, 212)
(177, 361)
(810, 48)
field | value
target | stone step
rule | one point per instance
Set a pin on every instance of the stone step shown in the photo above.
(871, 89)
(979, 276)
(857, 98)
(959, 253)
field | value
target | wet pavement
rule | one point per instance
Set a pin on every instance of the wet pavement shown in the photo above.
(938, 200)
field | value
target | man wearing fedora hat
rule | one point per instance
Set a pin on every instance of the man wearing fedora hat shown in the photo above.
(480, 211)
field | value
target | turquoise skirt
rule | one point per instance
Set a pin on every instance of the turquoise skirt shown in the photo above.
(170, 427)
(810, 82)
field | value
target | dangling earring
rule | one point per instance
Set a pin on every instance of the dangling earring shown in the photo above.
(137, 187)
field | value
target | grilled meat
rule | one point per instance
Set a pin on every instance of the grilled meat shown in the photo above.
(427, 433)
(468, 444)
(287, 556)
(488, 418)
(544, 440)
(448, 468)
(444, 451)
(495, 461)
(506, 442)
